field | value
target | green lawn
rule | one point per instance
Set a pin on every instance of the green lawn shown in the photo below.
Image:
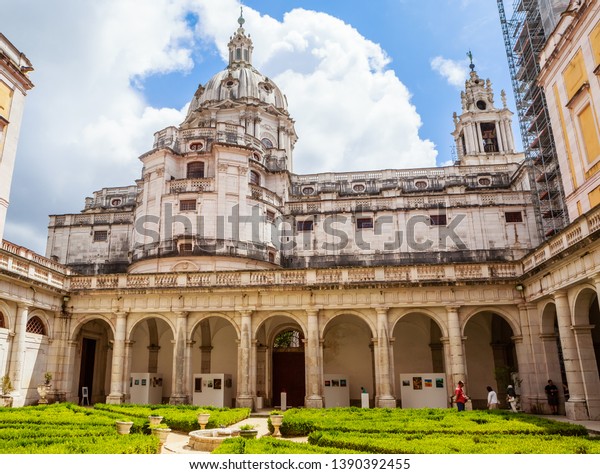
(68, 428)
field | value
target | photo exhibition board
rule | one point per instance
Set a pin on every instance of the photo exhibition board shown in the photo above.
(336, 390)
(424, 390)
(212, 390)
(146, 388)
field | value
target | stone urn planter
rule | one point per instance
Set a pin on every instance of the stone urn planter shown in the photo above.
(248, 431)
(123, 427)
(276, 420)
(43, 391)
(6, 401)
(203, 420)
(161, 434)
(154, 420)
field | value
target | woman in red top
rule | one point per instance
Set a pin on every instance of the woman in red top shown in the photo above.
(459, 396)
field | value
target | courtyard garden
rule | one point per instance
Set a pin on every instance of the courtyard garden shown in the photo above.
(68, 428)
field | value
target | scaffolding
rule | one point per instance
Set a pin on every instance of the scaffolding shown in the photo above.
(524, 39)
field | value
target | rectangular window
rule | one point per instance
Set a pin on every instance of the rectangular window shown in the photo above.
(187, 205)
(304, 226)
(513, 216)
(100, 235)
(270, 216)
(589, 133)
(439, 219)
(185, 248)
(364, 223)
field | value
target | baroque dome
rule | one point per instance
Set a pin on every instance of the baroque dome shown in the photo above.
(240, 82)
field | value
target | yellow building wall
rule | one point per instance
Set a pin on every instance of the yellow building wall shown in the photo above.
(589, 133)
(574, 75)
(594, 197)
(5, 99)
(595, 43)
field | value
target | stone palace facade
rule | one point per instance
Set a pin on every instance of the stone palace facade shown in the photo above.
(221, 260)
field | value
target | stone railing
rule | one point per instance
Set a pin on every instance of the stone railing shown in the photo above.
(581, 228)
(446, 172)
(25, 263)
(302, 277)
(259, 193)
(65, 220)
(191, 185)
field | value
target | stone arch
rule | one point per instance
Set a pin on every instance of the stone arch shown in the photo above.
(586, 328)
(90, 352)
(280, 368)
(511, 319)
(149, 355)
(44, 320)
(418, 346)
(348, 353)
(369, 321)
(490, 353)
(584, 300)
(214, 350)
(8, 318)
(551, 343)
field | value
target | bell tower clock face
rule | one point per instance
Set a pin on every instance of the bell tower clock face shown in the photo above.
(481, 105)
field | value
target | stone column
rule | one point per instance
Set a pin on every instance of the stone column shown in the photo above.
(205, 361)
(189, 389)
(589, 369)
(118, 360)
(244, 397)
(127, 371)
(479, 137)
(500, 137)
(576, 407)
(314, 369)
(383, 398)
(178, 394)
(455, 345)
(17, 356)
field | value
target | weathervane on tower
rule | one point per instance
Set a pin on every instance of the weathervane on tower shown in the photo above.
(470, 55)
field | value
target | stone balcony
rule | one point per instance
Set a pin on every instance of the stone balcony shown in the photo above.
(191, 185)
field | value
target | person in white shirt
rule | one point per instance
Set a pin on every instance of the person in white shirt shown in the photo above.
(492, 400)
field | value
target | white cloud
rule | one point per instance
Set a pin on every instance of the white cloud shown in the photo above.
(87, 120)
(455, 72)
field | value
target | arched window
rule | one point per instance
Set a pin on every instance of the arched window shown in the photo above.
(254, 178)
(2, 321)
(287, 339)
(267, 143)
(35, 326)
(195, 169)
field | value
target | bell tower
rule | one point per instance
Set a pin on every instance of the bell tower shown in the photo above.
(483, 133)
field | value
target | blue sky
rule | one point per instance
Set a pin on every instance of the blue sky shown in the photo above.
(370, 85)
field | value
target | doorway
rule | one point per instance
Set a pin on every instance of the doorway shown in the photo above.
(288, 368)
(86, 369)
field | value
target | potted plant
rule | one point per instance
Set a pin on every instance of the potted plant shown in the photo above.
(248, 431)
(154, 419)
(203, 420)
(123, 426)
(6, 387)
(44, 389)
(161, 431)
(276, 418)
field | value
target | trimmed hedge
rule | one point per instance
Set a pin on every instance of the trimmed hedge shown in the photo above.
(303, 421)
(178, 417)
(268, 445)
(68, 429)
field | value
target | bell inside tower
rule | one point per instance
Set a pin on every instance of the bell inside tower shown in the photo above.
(490, 139)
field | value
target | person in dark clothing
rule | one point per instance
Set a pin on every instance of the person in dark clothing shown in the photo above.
(552, 395)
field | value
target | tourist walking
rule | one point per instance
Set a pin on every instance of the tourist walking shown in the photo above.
(492, 399)
(552, 395)
(460, 398)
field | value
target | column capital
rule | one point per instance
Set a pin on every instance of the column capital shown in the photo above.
(382, 310)
(181, 314)
(560, 294)
(312, 312)
(452, 309)
(121, 314)
(245, 313)
(23, 306)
